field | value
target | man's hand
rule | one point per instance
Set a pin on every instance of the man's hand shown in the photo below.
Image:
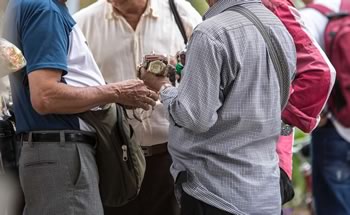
(153, 81)
(134, 94)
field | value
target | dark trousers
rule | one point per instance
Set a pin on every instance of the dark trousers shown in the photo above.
(286, 187)
(157, 191)
(331, 171)
(192, 206)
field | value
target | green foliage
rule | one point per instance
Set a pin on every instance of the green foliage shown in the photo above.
(299, 4)
(299, 135)
(200, 5)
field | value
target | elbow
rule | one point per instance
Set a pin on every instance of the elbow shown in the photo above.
(201, 127)
(41, 104)
(196, 126)
(202, 124)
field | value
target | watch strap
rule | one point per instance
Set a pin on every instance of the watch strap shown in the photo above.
(164, 86)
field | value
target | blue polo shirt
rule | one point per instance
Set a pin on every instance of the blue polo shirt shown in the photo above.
(48, 38)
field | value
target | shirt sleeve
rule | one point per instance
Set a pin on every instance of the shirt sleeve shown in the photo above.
(194, 104)
(314, 77)
(45, 41)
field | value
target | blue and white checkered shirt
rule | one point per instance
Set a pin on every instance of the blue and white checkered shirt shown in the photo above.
(225, 115)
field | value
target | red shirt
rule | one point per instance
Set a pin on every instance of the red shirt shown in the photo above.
(313, 81)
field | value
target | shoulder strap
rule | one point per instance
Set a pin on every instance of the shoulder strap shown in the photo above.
(345, 6)
(321, 8)
(329, 13)
(274, 49)
(178, 20)
(120, 122)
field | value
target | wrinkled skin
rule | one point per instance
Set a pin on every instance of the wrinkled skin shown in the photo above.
(135, 94)
(152, 81)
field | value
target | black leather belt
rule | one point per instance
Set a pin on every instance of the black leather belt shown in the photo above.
(55, 137)
(155, 149)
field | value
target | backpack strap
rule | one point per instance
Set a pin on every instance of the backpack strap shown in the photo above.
(178, 20)
(345, 6)
(321, 8)
(329, 13)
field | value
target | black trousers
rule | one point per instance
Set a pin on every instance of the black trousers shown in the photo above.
(192, 206)
(157, 191)
(286, 187)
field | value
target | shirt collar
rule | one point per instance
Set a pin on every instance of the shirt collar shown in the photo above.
(222, 5)
(151, 10)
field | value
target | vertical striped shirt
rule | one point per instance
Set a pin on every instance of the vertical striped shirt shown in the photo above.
(225, 116)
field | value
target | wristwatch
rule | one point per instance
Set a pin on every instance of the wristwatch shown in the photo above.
(155, 63)
(286, 129)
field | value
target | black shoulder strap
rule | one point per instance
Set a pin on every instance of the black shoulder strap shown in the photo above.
(120, 122)
(274, 49)
(178, 20)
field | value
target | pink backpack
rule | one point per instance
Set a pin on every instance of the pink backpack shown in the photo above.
(337, 47)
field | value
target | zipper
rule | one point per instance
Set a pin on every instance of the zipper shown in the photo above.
(125, 152)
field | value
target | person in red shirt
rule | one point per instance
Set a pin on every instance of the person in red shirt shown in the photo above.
(310, 89)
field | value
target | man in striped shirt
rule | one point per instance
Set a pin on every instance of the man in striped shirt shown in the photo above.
(225, 116)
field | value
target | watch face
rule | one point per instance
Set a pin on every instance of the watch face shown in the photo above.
(286, 129)
(157, 67)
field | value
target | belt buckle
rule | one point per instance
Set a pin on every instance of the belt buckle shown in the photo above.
(147, 151)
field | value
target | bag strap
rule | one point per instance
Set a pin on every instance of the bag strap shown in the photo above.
(345, 6)
(178, 21)
(274, 49)
(321, 8)
(120, 126)
(329, 13)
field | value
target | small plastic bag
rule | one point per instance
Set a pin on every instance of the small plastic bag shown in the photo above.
(11, 58)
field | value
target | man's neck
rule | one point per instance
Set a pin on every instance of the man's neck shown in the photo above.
(132, 10)
(132, 7)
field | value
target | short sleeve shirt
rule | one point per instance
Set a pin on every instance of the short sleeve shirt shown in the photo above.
(48, 38)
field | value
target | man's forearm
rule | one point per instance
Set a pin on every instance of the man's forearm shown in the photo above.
(49, 95)
(65, 99)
